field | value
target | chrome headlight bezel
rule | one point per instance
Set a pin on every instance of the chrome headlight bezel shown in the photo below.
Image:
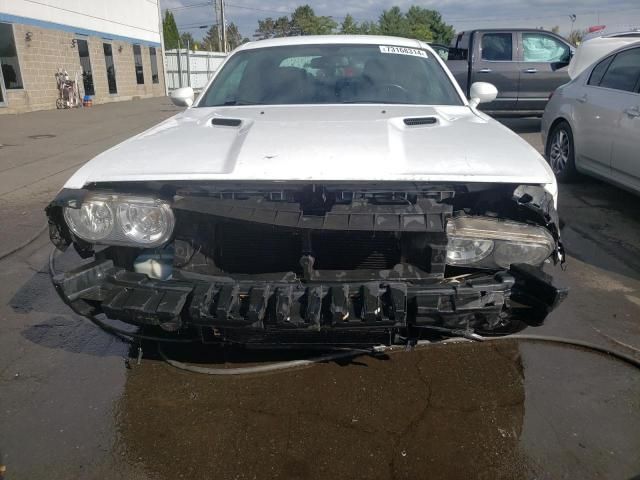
(510, 242)
(74, 219)
(123, 231)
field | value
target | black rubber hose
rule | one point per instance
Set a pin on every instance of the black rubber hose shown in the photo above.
(271, 367)
(539, 338)
(449, 332)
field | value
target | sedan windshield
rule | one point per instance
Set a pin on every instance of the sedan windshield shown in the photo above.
(330, 74)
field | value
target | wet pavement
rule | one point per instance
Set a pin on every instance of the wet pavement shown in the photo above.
(74, 403)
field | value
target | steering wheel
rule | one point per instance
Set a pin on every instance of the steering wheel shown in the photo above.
(395, 86)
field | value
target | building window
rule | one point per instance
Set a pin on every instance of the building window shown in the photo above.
(111, 69)
(85, 63)
(154, 65)
(9, 58)
(137, 57)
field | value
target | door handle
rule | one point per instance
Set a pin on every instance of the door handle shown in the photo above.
(582, 99)
(633, 112)
(531, 70)
(484, 70)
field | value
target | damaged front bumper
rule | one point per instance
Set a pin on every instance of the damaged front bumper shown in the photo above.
(324, 264)
(288, 311)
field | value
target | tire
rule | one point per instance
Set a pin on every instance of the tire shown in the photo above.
(560, 153)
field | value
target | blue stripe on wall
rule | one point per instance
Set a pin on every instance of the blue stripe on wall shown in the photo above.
(5, 17)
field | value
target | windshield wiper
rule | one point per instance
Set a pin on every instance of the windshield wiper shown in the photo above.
(230, 103)
(382, 102)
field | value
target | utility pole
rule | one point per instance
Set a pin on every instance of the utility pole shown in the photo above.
(572, 17)
(162, 52)
(215, 10)
(224, 27)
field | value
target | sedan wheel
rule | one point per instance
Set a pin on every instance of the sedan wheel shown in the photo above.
(560, 152)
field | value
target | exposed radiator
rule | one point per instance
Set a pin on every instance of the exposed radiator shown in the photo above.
(248, 248)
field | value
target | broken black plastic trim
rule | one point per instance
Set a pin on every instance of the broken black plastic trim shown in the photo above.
(480, 302)
(540, 202)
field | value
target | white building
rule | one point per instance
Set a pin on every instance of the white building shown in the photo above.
(113, 46)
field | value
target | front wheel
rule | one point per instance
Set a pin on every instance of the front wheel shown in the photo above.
(561, 153)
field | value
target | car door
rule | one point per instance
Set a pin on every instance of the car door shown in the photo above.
(543, 68)
(594, 121)
(624, 75)
(494, 62)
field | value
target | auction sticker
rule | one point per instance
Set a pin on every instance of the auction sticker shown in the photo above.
(403, 51)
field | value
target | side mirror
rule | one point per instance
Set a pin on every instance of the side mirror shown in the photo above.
(182, 97)
(482, 92)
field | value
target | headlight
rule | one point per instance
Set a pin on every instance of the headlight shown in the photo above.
(484, 242)
(92, 221)
(121, 220)
(145, 222)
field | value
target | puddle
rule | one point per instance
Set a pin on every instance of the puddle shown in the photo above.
(456, 411)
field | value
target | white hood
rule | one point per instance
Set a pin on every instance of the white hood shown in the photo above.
(322, 143)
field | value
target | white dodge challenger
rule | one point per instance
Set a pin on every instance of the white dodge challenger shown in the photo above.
(330, 190)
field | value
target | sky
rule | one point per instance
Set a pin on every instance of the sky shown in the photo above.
(462, 14)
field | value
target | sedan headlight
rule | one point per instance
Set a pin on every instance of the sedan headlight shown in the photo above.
(484, 242)
(121, 220)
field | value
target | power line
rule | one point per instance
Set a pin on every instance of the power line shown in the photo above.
(193, 5)
(256, 9)
(197, 24)
(89, 15)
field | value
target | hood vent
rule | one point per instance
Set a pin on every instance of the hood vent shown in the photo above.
(226, 122)
(420, 121)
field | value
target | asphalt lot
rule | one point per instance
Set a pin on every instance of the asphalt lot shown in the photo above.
(73, 404)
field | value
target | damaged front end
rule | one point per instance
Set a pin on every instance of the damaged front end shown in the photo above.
(291, 263)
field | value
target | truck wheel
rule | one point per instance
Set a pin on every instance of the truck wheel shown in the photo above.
(561, 154)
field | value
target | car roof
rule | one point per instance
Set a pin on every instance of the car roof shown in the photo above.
(612, 33)
(521, 29)
(595, 49)
(334, 40)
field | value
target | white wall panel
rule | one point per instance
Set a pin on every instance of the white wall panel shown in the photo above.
(136, 19)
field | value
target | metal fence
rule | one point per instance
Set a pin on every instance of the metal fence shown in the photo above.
(188, 68)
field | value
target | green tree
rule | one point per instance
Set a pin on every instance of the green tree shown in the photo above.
(282, 27)
(211, 40)
(170, 31)
(304, 21)
(186, 39)
(270, 28)
(393, 22)
(369, 28)
(420, 23)
(234, 37)
(441, 31)
(555, 29)
(576, 36)
(349, 26)
(265, 29)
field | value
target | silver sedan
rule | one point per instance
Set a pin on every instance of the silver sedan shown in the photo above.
(591, 125)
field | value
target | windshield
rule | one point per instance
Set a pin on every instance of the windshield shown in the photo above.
(329, 74)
